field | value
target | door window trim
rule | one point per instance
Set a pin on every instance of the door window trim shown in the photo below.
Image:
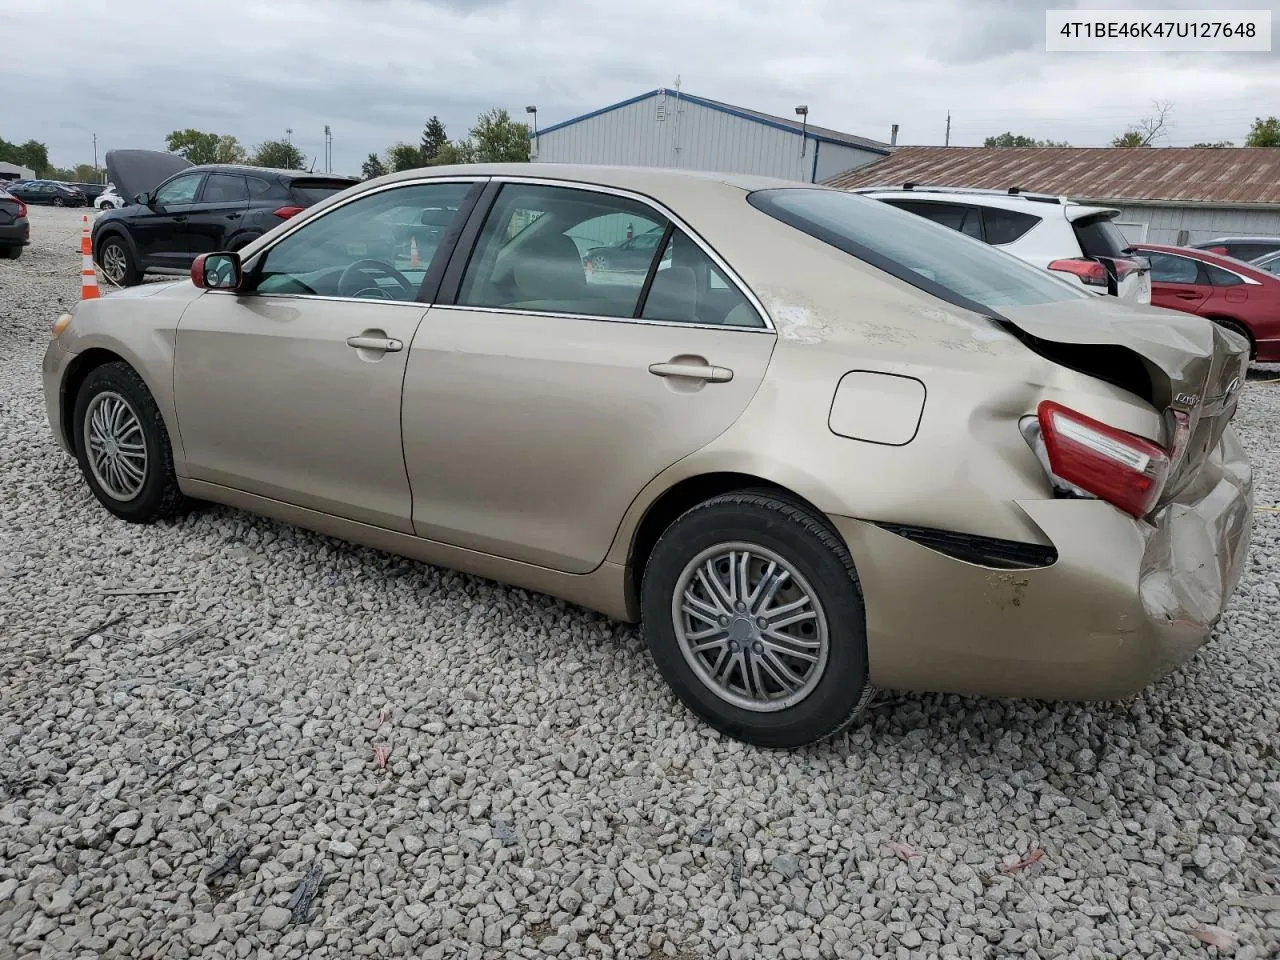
(460, 258)
(430, 285)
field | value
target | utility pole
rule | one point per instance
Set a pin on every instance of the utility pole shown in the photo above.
(95, 155)
(947, 142)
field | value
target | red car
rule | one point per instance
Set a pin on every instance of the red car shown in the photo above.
(1230, 292)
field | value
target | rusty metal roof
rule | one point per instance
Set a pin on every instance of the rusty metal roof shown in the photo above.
(1235, 176)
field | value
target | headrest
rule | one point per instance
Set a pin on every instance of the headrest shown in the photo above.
(673, 296)
(550, 268)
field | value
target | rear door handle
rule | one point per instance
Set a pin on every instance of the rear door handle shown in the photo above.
(233, 216)
(385, 344)
(692, 371)
(1188, 296)
(180, 218)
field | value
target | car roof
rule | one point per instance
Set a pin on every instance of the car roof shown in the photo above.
(623, 177)
(246, 168)
(1217, 259)
(1221, 240)
(1001, 199)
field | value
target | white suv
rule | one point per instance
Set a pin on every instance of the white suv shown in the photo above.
(1068, 238)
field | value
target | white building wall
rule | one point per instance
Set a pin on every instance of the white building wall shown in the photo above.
(1163, 224)
(691, 136)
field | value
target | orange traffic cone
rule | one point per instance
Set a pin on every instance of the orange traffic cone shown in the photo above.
(413, 252)
(88, 278)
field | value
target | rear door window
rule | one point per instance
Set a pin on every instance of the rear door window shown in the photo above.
(224, 188)
(1099, 237)
(965, 219)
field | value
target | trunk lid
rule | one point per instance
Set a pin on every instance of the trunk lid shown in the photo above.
(1183, 365)
(135, 172)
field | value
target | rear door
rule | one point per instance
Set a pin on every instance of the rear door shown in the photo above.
(216, 214)
(1227, 292)
(1177, 282)
(539, 400)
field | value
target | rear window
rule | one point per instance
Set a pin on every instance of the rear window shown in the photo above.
(1099, 237)
(1222, 278)
(1006, 226)
(938, 260)
(307, 192)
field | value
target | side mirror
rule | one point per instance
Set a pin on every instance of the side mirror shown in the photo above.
(217, 271)
(143, 198)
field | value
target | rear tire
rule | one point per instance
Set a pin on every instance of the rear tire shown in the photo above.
(106, 205)
(239, 243)
(786, 689)
(116, 419)
(11, 253)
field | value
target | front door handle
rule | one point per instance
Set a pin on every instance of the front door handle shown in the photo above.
(1188, 296)
(692, 371)
(180, 218)
(233, 216)
(385, 344)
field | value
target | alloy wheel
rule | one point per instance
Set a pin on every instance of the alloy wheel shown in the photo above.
(116, 446)
(114, 262)
(751, 627)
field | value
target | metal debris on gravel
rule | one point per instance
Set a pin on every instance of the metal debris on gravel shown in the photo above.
(537, 812)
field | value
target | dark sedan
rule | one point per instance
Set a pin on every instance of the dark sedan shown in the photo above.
(48, 191)
(632, 254)
(15, 232)
(175, 211)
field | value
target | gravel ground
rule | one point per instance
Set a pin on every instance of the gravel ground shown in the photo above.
(309, 749)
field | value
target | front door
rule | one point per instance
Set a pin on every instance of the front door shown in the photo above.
(539, 404)
(160, 229)
(292, 391)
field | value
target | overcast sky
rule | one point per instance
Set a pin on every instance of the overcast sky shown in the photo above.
(132, 70)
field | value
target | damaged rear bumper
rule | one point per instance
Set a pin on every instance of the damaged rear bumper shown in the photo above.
(1124, 604)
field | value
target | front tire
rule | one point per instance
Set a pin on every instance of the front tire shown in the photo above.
(106, 205)
(117, 262)
(753, 614)
(123, 447)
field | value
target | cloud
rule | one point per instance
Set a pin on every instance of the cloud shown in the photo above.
(376, 69)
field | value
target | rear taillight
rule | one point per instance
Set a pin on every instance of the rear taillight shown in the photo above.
(1085, 457)
(1124, 267)
(1091, 272)
(284, 213)
(22, 209)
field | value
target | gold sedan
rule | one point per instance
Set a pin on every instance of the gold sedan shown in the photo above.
(814, 444)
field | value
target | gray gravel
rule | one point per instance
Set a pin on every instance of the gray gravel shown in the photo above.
(310, 749)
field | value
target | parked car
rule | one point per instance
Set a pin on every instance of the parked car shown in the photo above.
(47, 191)
(1242, 297)
(1074, 240)
(177, 211)
(832, 447)
(1269, 263)
(91, 191)
(15, 231)
(108, 199)
(634, 254)
(1241, 248)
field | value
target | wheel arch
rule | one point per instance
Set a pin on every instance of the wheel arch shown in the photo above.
(688, 492)
(1238, 324)
(78, 371)
(109, 230)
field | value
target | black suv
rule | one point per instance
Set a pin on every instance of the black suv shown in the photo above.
(176, 211)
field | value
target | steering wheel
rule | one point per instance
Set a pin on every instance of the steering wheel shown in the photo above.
(363, 271)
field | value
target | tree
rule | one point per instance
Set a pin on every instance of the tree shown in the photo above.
(200, 147)
(280, 154)
(461, 151)
(372, 167)
(1264, 133)
(402, 156)
(1215, 146)
(433, 139)
(498, 139)
(1149, 129)
(31, 154)
(1007, 139)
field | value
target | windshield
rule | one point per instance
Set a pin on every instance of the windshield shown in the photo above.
(936, 259)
